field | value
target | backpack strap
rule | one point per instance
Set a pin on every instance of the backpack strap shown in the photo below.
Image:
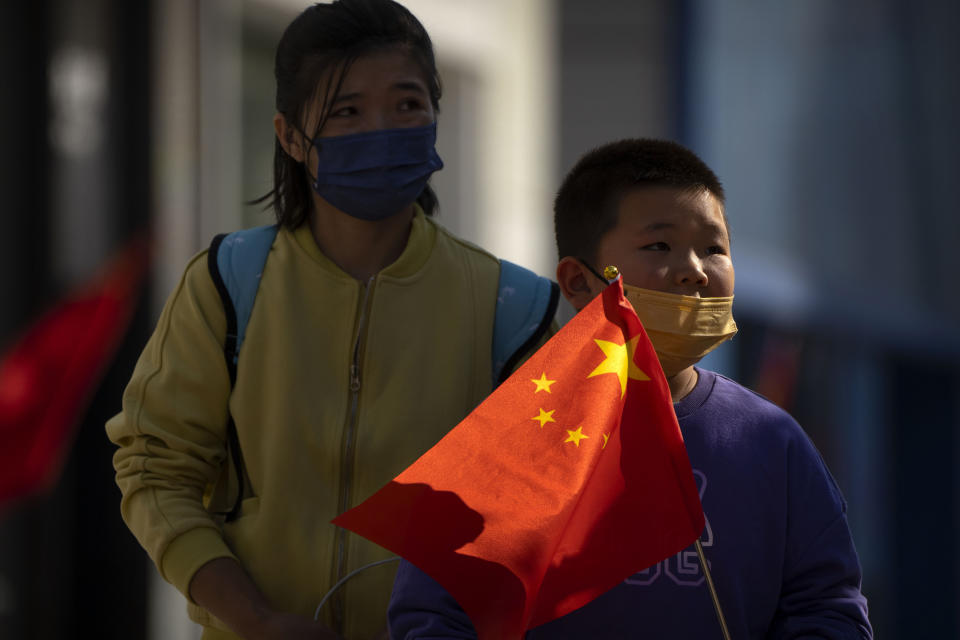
(526, 304)
(236, 262)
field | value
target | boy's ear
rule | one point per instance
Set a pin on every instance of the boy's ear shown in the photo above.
(290, 139)
(574, 281)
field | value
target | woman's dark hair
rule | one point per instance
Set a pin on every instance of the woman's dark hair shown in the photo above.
(327, 39)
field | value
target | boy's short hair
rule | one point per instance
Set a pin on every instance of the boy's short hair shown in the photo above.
(587, 203)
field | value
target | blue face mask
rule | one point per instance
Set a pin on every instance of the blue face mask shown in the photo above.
(375, 174)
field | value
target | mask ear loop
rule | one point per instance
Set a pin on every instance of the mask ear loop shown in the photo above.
(594, 271)
(313, 143)
(329, 95)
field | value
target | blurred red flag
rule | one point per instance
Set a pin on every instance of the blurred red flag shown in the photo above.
(570, 477)
(49, 375)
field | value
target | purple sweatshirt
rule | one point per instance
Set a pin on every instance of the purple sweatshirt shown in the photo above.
(777, 541)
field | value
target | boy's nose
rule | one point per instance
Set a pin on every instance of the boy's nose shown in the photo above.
(691, 272)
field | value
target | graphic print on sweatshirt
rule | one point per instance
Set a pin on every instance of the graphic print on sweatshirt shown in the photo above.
(683, 568)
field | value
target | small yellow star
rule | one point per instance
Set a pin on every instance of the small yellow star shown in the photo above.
(605, 438)
(544, 417)
(542, 384)
(575, 436)
(619, 361)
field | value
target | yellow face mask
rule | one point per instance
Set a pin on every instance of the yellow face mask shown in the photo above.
(682, 329)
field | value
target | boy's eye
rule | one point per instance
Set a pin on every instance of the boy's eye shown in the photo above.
(716, 250)
(656, 246)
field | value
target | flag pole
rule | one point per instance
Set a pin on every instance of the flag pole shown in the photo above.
(713, 591)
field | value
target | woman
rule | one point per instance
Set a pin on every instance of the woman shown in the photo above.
(369, 338)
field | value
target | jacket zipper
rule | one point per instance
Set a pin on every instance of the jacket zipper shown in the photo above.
(347, 462)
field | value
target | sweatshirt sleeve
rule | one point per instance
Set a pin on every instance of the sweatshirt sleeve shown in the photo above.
(170, 432)
(820, 595)
(422, 609)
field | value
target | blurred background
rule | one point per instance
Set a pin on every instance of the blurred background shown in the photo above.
(833, 127)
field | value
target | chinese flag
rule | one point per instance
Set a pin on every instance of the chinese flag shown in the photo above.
(48, 376)
(568, 478)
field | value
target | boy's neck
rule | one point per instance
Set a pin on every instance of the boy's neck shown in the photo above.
(682, 384)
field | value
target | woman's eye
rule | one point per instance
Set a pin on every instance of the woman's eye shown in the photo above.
(343, 112)
(656, 246)
(411, 105)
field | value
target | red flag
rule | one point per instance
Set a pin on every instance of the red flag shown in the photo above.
(48, 376)
(570, 477)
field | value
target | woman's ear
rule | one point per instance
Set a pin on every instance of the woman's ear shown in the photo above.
(574, 281)
(290, 139)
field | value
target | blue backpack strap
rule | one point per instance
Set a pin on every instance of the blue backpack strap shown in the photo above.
(526, 304)
(236, 262)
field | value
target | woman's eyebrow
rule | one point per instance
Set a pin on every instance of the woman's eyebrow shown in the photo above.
(410, 85)
(345, 97)
(402, 85)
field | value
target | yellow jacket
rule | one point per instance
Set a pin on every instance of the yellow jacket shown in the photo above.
(340, 386)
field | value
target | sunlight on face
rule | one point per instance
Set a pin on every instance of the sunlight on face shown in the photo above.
(671, 240)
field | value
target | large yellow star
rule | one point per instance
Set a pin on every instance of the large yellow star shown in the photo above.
(620, 361)
(544, 417)
(542, 384)
(575, 436)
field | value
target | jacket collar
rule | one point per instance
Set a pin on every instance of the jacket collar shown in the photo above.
(423, 235)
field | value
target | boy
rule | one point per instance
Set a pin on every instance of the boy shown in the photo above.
(776, 538)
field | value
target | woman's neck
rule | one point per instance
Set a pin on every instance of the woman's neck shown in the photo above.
(362, 248)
